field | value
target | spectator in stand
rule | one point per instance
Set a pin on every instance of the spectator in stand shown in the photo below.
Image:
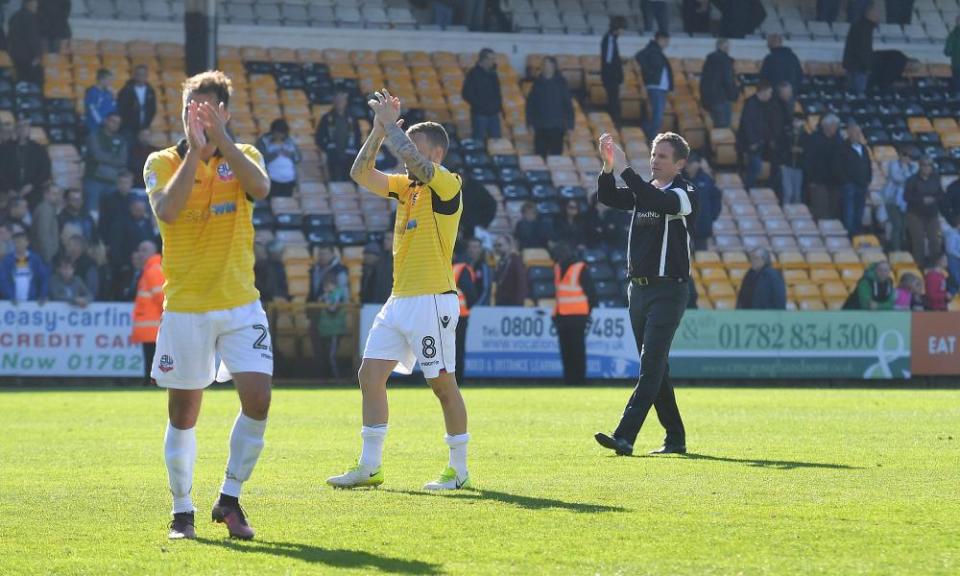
(781, 64)
(922, 193)
(658, 80)
(935, 295)
(465, 281)
(75, 213)
(114, 208)
(483, 277)
(270, 279)
(611, 66)
(106, 157)
(819, 150)
(950, 206)
(854, 171)
(443, 11)
(696, 16)
(75, 250)
(66, 287)
(899, 11)
(481, 90)
(479, 207)
(328, 264)
(338, 136)
(763, 287)
(952, 51)
(281, 155)
(148, 302)
(511, 273)
(18, 213)
(7, 131)
(131, 227)
(45, 230)
(909, 293)
(137, 104)
(856, 9)
(789, 157)
(532, 231)
(137, 158)
(331, 325)
(376, 281)
(137, 228)
(24, 164)
(951, 241)
(605, 229)
(275, 255)
(575, 298)
(709, 195)
(55, 23)
(894, 205)
(99, 102)
(828, 10)
(755, 135)
(25, 43)
(655, 15)
(718, 85)
(569, 225)
(858, 51)
(549, 110)
(23, 275)
(874, 290)
(739, 17)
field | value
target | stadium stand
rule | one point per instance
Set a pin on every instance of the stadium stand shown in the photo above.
(820, 263)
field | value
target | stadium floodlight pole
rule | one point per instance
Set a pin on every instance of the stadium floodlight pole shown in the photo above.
(200, 33)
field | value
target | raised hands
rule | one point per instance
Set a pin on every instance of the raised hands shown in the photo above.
(386, 108)
(214, 121)
(196, 138)
(612, 155)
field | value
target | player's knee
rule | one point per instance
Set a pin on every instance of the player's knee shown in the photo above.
(258, 405)
(370, 378)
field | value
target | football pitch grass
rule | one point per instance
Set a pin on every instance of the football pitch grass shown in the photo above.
(779, 482)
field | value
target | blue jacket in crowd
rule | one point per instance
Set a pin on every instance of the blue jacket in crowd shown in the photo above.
(98, 103)
(39, 283)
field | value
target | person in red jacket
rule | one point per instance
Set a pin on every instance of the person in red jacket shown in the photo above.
(935, 296)
(148, 305)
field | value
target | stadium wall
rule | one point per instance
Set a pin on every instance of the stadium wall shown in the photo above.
(516, 46)
(59, 340)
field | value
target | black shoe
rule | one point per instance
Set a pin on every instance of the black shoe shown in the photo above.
(619, 445)
(182, 527)
(671, 449)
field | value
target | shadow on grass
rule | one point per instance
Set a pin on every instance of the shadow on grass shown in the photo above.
(520, 501)
(336, 558)
(775, 464)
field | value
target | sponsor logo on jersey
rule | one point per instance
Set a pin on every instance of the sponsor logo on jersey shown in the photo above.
(223, 208)
(166, 363)
(224, 172)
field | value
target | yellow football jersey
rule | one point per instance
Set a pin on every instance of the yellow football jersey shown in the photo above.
(208, 251)
(428, 216)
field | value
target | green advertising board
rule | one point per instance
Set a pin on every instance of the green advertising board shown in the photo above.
(775, 344)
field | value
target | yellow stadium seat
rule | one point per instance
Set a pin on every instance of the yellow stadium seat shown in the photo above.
(737, 275)
(720, 290)
(795, 276)
(792, 260)
(819, 260)
(824, 274)
(799, 291)
(706, 257)
(724, 303)
(809, 304)
(713, 274)
(833, 290)
(536, 257)
(901, 260)
(734, 260)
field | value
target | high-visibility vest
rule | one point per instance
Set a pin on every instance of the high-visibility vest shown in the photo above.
(571, 299)
(148, 306)
(457, 271)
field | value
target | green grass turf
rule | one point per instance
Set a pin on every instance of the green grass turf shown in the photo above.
(782, 482)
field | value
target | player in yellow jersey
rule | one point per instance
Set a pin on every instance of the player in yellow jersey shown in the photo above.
(419, 321)
(202, 191)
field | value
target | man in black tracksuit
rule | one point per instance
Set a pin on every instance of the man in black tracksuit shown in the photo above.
(664, 211)
(611, 66)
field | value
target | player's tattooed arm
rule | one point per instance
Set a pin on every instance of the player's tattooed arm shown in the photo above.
(418, 165)
(364, 171)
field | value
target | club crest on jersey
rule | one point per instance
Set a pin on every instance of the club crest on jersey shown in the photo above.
(224, 172)
(412, 225)
(166, 363)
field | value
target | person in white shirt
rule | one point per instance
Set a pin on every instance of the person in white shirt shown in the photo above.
(281, 155)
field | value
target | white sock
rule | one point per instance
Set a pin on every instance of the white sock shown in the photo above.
(371, 455)
(458, 452)
(180, 452)
(246, 442)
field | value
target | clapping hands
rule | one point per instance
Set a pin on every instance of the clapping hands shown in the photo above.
(612, 155)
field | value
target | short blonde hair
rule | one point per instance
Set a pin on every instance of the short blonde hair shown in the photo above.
(209, 82)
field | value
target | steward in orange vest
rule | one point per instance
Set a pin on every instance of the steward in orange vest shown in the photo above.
(465, 278)
(148, 305)
(571, 314)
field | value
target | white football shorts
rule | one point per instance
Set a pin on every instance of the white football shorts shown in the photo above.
(417, 329)
(189, 345)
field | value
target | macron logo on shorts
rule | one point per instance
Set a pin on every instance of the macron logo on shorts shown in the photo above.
(166, 363)
(445, 321)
